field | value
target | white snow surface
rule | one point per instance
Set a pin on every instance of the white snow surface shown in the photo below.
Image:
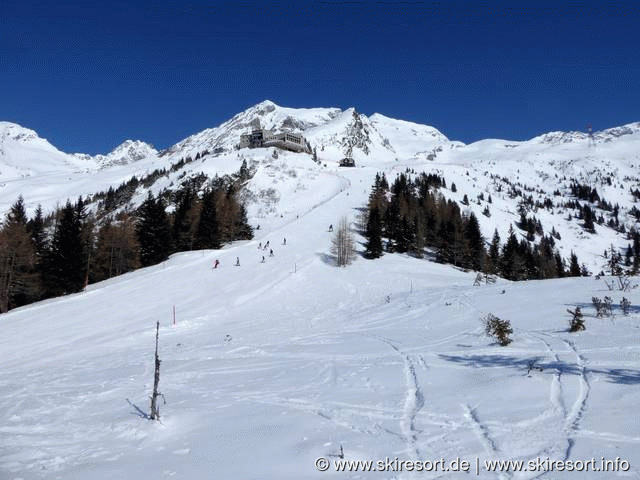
(272, 365)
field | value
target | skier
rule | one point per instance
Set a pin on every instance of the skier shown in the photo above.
(270, 253)
(259, 245)
(331, 228)
(216, 263)
(284, 242)
(262, 259)
(237, 261)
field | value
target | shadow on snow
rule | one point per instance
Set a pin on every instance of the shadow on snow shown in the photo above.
(623, 376)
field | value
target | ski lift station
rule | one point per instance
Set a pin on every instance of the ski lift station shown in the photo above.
(260, 137)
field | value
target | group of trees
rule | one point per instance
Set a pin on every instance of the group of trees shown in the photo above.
(39, 262)
(199, 221)
(411, 214)
(46, 257)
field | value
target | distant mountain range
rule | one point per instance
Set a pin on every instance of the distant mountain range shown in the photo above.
(517, 175)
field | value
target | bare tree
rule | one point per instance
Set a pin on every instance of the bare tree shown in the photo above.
(342, 244)
(155, 412)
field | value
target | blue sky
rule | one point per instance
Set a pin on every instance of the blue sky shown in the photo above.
(88, 75)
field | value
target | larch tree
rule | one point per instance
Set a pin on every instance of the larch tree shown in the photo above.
(342, 244)
(17, 260)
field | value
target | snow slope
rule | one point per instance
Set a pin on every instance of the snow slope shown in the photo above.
(273, 365)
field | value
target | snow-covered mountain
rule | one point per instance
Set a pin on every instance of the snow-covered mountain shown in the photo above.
(24, 154)
(271, 366)
(127, 152)
(514, 175)
(226, 137)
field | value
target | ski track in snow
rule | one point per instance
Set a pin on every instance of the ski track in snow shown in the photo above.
(555, 390)
(580, 405)
(483, 435)
(561, 446)
(413, 402)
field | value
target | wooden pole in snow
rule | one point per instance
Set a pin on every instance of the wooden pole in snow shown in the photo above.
(155, 414)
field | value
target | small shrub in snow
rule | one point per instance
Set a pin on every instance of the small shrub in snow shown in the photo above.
(497, 328)
(625, 305)
(577, 321)
(597, 304)
(604, 307)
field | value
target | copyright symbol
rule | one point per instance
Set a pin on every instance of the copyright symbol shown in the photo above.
(322, 464)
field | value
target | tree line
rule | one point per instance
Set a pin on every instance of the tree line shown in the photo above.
(43, 257)
(412, 216)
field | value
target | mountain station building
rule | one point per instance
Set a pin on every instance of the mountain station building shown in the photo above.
(260, 137)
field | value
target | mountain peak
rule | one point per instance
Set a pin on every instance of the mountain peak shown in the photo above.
(265, 103)
(128, 151)
(13, 131)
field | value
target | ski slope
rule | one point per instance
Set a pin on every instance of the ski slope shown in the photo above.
(272, 365)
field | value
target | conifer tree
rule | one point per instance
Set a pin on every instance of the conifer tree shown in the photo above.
(65, 266)
(373, 234)
(183, 220)
(494, 253)
(512, 264)
(154, 232)
(208, 235)
(560, 266)
(574, 266)
(242, 229)
(244, 173)
(476, 252)
(36, 229)
(87, 237)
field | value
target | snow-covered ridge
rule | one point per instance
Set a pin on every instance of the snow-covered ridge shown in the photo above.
(127, 152)
(23, 153)
(606, 135)
(15, 132)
